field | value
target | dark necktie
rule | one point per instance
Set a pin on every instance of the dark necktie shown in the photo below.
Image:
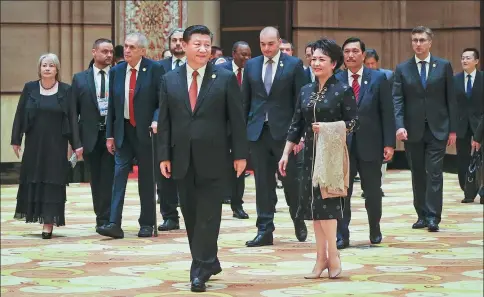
(268, 76)
(469, 86)
(193, 92)
(239, 76)
(103, 84)
(356, 86)
(132, 86)
(423, 74)
(177, 63)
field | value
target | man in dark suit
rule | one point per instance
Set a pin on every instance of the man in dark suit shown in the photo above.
(199, 103)
(89, 103)
(240, 54)
(133, 99)
(308, 70)
(270, 89)
(167, 190)
(373, 142)
(468, 86)
(426, 120)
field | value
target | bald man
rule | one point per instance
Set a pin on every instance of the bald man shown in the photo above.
(270, 89)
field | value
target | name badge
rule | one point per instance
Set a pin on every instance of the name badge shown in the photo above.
(103, 105)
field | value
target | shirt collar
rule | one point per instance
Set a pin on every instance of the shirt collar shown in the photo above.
(275, 59)
(201, 70)
(96, 70)
(417, 60)
(183, 60)
(128, 69)
(235, 68)
(359, 72)
(473, 74)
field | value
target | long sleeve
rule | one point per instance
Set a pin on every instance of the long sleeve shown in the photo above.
(111, 111)
(246, 94)
(164, 124)
(349, 110)
(236, 119)
(300, 80)
(74, 114)
(159, 72)
(19, 120)
(296, 129)
(398, 99)
(479, 136)
(387, 114)
(451, 98)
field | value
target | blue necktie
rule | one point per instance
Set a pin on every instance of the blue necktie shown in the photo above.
(423, 74)
(469, 86)
(268, 77)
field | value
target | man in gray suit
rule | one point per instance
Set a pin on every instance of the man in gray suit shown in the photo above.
(426, 120)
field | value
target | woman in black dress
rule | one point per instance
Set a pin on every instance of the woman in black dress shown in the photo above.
(42, 115)
(330, 101)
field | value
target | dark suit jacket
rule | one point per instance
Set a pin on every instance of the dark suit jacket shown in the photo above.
(375, 114)
(470, 110)
(226, 65)
(436, 103)
(145, 100)
(166, 64)
(280, 103)
(307, 72)
(479, 134)
(85, 109)
(200, 137)
(27, 110)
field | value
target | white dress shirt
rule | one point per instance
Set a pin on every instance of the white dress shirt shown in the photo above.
(350, 77)
(427, 65)
(313, 78)
(201, 73)
(101, 102)
(472, 78)
(275, 64)
(235, 69)
(126, 87)
(183, 60)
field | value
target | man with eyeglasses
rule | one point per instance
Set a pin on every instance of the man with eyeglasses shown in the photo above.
(426, 121)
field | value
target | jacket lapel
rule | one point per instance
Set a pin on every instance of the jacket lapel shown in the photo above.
(258, 74)
(182, 82)
(365, 80)
(207, 82)
(120, 81)
(143, 69)
(91, 85)
(279, 71)
(343, 75)
(432, 67)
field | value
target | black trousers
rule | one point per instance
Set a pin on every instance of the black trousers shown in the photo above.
(370, 176)
(167, 192)
(101, 164)
(264, 152)
(201, 206)
(426, 159)
(463, 146)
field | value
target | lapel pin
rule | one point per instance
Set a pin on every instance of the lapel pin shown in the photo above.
(366, 82)
(434, 65)
(214, 76)
(144, 69)
(280, 64)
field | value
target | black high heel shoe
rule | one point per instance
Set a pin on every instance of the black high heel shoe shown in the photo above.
(46, 235)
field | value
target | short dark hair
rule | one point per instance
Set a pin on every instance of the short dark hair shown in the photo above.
(354, 39)
(331, 49)
(310, 45)
(97, 42)
(423, 29)
(176, 30)
(237, 44)
(215, 49)
(196, 29)
(285, 41)
(371, 53)
(118, 51)
(472, 49)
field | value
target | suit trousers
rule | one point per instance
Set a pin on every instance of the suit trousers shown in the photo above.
(463, 146)
(123, 158)
(264, 152)
(238, 188)
(101, 165)
(201, 206)
(426, 160)
(370, 180)
(167, 193)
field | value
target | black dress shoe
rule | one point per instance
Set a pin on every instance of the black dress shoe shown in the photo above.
(46, 235)
(198, 285)
(169, 225)
(145, 231)
(482, 200)
(226, 201)
(468, 200)
(239, 213)
(419, 224)
(342, 243)
(110, 230)
(261, 240)
(375, 234)
(300, 230)
(432, 225)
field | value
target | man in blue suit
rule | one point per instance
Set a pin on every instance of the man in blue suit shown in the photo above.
(373, 142)
(270, 89)
(133, 100)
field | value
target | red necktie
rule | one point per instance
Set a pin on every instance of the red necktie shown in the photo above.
(239, 76)
(132, 86)
(356, 86)
(193, 93)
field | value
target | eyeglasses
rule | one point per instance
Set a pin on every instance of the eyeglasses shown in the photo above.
(421, 40)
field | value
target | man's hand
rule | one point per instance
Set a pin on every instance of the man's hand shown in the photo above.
(154, 127)
(475, 145)
(388, 153)
(239, 166)
(452, 138)
(402, 134)
(17, 150)
(110, 145)
(79, 153)
(165, 167)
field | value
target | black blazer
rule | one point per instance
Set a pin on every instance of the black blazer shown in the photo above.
(470, 110)
(166, 64)
(145, 100)
(200, 137)
(27, 110)
(280, 103)
(85, 110)
(375, 114)
(479, 134)
(415, 104)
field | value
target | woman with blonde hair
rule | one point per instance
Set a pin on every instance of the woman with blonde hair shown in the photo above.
(43, 116)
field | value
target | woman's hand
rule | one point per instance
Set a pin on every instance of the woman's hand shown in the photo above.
(283, 164)
(17, 150)
(316, 127)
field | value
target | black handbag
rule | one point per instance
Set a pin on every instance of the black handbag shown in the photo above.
(473, 176)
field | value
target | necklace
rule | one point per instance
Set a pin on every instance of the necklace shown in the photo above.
(46, 89)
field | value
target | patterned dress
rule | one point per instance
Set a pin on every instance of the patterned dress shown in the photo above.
(336, 102)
